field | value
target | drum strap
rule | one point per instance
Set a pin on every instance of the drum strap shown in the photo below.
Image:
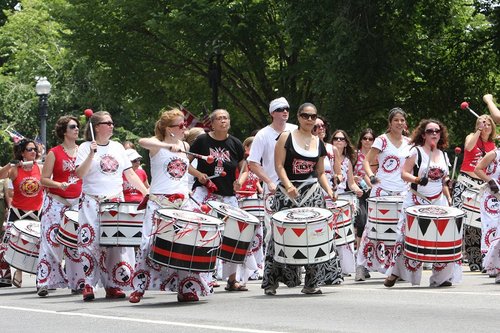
(26, 214)
(168, 201)
(306, 196)
(428, 199)
(103, 198)
(60, 199)
(468, 181)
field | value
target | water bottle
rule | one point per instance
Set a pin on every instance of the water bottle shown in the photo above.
(363, 185)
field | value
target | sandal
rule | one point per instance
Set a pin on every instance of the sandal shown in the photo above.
(17, 281)
(235, 286)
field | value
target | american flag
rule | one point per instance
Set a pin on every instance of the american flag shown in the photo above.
(15, 135)
(192, 121)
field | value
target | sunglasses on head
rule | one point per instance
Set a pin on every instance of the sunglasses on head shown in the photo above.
(432, 131)
(31, 149)
(72, 126)
(337, 138)
(109, 123)
(368, 138)
(282, 110)
(306, 116)
(180, 126)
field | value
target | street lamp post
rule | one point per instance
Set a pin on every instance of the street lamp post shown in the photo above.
(43, 90)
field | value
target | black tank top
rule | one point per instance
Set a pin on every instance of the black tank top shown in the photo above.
(299, 167)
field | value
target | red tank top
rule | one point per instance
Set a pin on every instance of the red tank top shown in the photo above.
(28, 191)
(472, 157)
(130, 193)
(64, 171)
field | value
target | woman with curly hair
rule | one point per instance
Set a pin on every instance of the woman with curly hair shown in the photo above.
(427, 170)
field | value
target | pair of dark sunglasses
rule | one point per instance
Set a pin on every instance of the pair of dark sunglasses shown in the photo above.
(73, 126)
(312, 116)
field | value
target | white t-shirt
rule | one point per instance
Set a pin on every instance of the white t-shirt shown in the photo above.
(437, 171)
(169, 173)
(105, 175)
(262, 150)
(390, 163)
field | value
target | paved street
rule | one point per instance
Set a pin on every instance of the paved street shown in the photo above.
(473, 305)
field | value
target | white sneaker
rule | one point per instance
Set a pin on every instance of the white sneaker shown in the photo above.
(360, 274)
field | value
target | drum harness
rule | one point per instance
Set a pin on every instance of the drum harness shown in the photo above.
(413, 186)
(306, 196)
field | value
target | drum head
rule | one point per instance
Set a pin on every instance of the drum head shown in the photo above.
(303, 215)
(29, 227)
(432, 211)
(389, 198)
(338, 204)
(233, 212)
(188, 216)
(72, 215)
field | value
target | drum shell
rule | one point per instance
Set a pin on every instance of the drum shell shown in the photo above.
(302, 242)
(343, 223)
(120, 224)
(434, 238)
(24, 246)
(239, 230)
(471, 205)
(185, 240)
(67, 233)
(253, 206)
(383, 216)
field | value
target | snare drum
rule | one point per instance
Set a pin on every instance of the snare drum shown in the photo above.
(352, 199)
(239, 231)
(343, 224)
(24, 245)
(433, 233)
(185, 240)
(120, 224)
(67, 233)
(471, 205)
(383, 215)
(253, 206)
(303, 236)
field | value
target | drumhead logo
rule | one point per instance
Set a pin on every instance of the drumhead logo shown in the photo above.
(29, 187)
(175, 168)
(491, 205)
(108, 164)
(390, 164)
(302, 215)
(432, 210)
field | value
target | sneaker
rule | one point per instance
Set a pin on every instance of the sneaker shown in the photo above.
(188, 297)
(367, 273)
(76, 291)
(135, 297)
(311, 291)
(445, 284)
(360, 273)
(43, 291)
(390, 281)
(114, 293)
(88, 293)
(270, 291)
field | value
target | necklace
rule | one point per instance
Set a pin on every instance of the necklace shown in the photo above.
(70, 151)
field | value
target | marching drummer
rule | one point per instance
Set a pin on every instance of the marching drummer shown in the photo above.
(383, 165)
(26, 202)
(100, 163)
(426, 169)
(63, 193)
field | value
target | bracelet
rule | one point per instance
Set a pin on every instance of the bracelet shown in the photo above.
(289, 187)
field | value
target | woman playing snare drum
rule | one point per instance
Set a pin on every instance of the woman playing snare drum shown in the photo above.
(169, 189)
(63, 194)
(428, 187)
(100, 165)
(299, 164)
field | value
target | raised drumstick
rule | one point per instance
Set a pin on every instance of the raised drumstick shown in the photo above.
(458, 150)
(88, 113)
(465, 106)
(209, 158)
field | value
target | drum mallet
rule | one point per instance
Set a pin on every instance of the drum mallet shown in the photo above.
(458, 150)
(209, 159)
(204, 208)
(465, 106)
(89, 113)
(222, 174)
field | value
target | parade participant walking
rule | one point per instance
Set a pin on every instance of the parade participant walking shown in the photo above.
(169, 189)
(100, 165)
(341, 141)
(63, 194)
(228, 154)
(386, 157)
(477, 144)
(427, 170)
(489, 171)
(26, 202)
(130, 193)
(299, 162)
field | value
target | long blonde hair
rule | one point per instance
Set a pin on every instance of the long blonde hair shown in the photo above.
(166, 119)
(487, 117)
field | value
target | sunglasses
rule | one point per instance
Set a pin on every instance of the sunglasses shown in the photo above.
(137, 160)
(432, 131)
(73, 126)
(336, 138)
(109, 123)
(317, 127)
(282, 110)
(365, 138)
(306, 116)
(31, 149)
(180, 126)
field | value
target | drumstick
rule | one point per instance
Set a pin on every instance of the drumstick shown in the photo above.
(222, 174)
(245, 192)
(204, 208)
(458, 150)
(465, 106)
(209, 158)
(88, 113)
(430, 158)
(142, 205)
